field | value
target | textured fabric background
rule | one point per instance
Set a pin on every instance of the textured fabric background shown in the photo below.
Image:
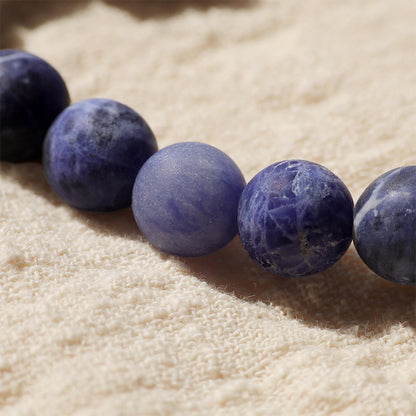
(94, 321)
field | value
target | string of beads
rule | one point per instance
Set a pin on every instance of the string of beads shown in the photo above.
(294, 218)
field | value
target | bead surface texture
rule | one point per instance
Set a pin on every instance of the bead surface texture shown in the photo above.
(185, 199)
(32, 94)
(295, 218)
(93, 151)
(385, 225)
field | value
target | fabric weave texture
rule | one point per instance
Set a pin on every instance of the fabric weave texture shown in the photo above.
(95, 321)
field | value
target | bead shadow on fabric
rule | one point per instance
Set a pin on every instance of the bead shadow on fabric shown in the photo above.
(347, 298)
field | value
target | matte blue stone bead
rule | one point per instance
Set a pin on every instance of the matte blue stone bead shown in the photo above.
(385, 225)
(295, 218)
(93, 151)
(32, 94)
(185, 199)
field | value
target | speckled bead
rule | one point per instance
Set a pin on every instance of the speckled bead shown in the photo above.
(295, 218)
(93, 151)
(32, 94)
(385, 225)
(185, 199)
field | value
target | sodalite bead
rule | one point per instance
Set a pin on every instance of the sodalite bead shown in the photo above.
(93, 151)
(32, 94)
(385, 225)
(295, 218)
(185, 199)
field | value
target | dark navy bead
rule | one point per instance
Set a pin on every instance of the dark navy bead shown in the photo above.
(385, 225)
(185, 199)
(295, 218)
(93, 151)
(32, 94)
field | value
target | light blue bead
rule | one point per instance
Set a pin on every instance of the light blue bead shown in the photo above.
(185, 199)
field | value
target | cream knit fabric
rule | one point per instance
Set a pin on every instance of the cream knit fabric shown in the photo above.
(94, 321)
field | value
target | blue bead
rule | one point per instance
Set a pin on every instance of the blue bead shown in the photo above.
(295, 218)
(32, 94)
(385, 225)
(185, 199)
(93, 151)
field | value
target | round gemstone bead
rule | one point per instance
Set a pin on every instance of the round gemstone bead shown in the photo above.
(185, 199)
(295, 218)
(385, 225)
(32, 94)
(93, 151)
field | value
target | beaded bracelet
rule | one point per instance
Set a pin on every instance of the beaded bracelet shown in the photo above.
(294, 218)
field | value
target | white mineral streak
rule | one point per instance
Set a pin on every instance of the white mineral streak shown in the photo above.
(370, 205)
(376, 199)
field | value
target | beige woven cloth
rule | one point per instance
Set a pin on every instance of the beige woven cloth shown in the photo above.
(94, 321)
